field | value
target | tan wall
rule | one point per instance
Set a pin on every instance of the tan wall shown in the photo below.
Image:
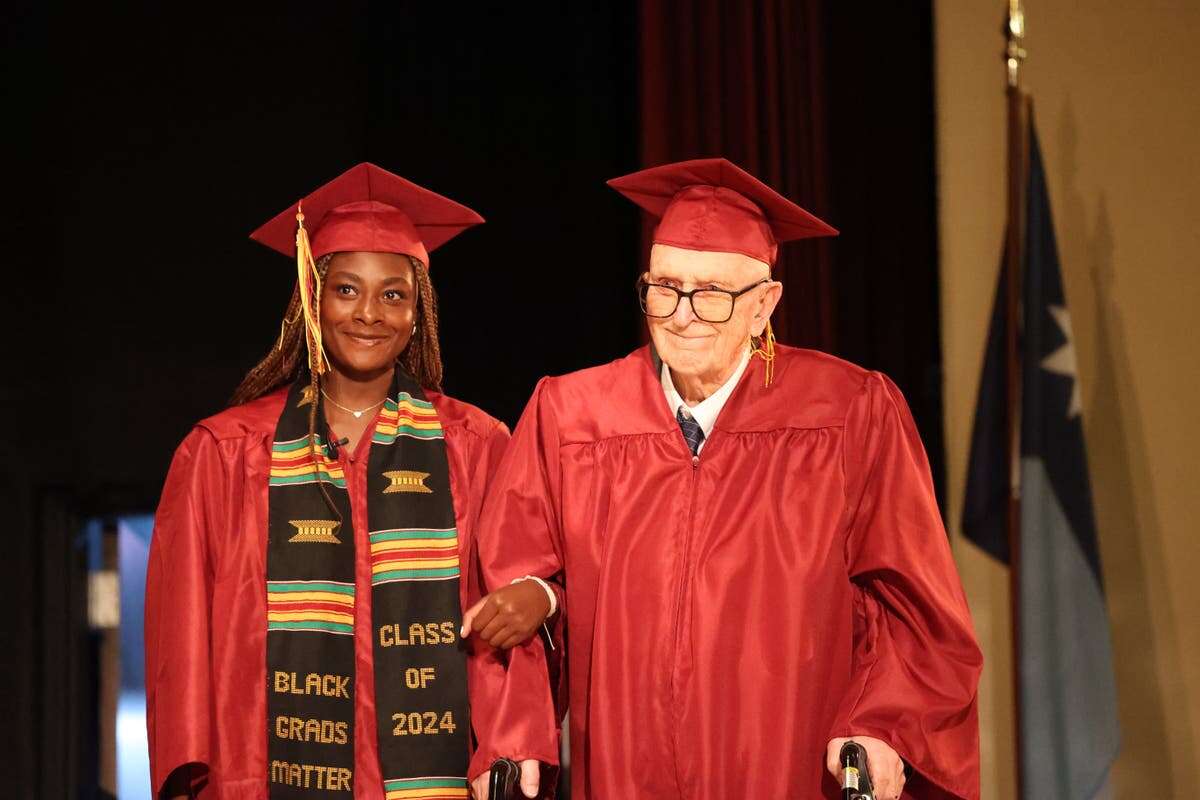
(1116, 88)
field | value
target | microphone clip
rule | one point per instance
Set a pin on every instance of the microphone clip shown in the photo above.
(333, 445)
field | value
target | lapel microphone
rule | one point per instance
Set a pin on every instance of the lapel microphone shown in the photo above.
(335, 444)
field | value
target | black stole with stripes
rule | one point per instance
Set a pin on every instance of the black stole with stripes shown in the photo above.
(420, 665)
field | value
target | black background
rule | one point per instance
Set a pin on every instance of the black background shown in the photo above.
(144, 142)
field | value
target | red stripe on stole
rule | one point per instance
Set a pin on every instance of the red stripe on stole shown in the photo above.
(292, 463)
(309, 606)
(412, 555)
(409, 408)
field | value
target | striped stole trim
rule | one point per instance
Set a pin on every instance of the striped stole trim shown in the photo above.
(414, 554)
(319, 606)
(292, 464)
(431, 788)
(407, 416)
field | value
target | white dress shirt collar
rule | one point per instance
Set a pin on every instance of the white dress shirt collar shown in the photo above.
(705, 412)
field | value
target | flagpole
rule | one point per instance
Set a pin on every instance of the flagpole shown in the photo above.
(1018, 158)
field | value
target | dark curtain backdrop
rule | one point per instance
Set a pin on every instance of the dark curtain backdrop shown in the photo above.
(142, 146)
(832, 105)
(746, 80)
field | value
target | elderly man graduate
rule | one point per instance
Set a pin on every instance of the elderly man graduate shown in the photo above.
(747, 561)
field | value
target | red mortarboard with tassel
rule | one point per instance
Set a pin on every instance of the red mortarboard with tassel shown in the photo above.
(366, 209)
(713, 205)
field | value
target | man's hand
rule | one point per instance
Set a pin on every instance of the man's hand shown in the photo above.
(529, 777)
(887, 769)
(509, 615)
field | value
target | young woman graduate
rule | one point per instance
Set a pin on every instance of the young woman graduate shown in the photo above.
(311, 551)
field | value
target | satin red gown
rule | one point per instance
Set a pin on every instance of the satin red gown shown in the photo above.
(727, 615)
(206, 594)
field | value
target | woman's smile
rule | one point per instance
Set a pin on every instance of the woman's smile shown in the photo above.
(366, 339)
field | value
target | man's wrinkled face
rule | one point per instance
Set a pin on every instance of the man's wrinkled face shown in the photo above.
(690, 346)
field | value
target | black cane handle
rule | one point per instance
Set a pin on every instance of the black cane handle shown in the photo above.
(503, 782)
(856, 775)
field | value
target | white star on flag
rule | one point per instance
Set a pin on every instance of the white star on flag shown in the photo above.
(1062, 360)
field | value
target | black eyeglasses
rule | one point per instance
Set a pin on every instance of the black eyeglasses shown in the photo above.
(710, 305)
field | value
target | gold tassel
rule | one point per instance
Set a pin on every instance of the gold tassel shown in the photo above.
(310, 297)
(764, 347)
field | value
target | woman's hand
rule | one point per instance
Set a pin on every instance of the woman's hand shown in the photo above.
(508, 616)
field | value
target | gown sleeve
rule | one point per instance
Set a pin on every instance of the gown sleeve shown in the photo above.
(916, 662)
(179, 583)
(481, 468)
(519, 535)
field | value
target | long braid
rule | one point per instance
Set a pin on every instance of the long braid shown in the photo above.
(423, 356)
(282, 364)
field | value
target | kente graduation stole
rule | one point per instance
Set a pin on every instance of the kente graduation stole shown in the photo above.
(420, 667)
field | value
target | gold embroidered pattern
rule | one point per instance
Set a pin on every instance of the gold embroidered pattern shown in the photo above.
(315, 530)
(407, 480)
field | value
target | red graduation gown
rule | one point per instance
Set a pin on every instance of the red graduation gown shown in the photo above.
(206, 594)
(726, 616)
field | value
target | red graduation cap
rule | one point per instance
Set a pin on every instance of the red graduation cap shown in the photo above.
(712, 204)
(363, 209)
(367, 208)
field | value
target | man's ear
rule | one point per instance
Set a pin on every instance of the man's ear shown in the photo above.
(766, 307)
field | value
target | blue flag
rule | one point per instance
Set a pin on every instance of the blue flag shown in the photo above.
(1069, 730)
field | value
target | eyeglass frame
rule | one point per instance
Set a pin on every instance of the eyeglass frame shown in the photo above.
(643, 284)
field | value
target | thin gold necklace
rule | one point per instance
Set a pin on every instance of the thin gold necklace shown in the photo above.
(357, 414)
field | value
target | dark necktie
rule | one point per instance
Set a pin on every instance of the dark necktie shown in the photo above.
(691, 430)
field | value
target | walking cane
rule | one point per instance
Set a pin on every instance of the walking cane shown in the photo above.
(503, 782)
(856, 776)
